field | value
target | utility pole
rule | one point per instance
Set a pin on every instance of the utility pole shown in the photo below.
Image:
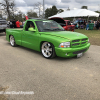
(99, 6)
(43, 8)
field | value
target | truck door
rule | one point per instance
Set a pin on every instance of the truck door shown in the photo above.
(30, 39)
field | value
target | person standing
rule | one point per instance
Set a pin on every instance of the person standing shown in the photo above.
(87, 26)
(94, 25)
(14, 23)
(17, 24)
(84, 23)
(11, 25)
(99, 24)
(21, 24)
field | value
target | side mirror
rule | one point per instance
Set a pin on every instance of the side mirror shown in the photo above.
(31, 29)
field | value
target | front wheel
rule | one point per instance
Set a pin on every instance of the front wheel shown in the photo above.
(12, 41)
(48, 50)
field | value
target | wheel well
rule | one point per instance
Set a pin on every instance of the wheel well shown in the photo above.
(9, 37)
(43, 42)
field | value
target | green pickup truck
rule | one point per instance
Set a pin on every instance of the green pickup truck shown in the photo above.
(49, 38)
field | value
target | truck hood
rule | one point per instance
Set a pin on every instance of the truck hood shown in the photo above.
(67, 35)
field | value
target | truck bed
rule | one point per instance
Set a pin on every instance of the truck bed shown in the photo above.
(15, 28)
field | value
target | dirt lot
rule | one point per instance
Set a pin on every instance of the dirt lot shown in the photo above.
(22, 69)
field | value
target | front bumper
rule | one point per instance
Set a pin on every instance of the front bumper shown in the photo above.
(71, 52)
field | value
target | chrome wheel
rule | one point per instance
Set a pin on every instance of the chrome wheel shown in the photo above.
(12, 41)
(47, 49)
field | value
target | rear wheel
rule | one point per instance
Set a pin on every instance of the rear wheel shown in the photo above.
(47, 50)
(12, 41)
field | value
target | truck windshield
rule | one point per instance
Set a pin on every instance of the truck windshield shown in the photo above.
(44, 26)
(68, 23)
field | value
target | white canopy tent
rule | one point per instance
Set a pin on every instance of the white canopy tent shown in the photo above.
(77, 13)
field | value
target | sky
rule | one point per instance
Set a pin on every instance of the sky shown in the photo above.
(25, 5)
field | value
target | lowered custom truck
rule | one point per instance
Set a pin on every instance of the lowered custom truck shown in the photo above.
(49, 38)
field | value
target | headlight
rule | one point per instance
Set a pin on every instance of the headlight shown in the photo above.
(64, 45)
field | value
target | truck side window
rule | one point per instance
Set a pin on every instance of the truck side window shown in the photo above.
(29, 24)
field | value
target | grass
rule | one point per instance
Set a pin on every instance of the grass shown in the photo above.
(94, 35)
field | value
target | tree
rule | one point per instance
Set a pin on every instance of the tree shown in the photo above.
(48, 12)
(0, 15)
(97, 12)
(31, 13)
(84, 7)
(60, 10)
(19, 16)
(52, 11)
(8, 7)
(39, 7)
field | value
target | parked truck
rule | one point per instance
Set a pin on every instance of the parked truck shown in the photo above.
(3, 25)
(49, 38)
(66, 24)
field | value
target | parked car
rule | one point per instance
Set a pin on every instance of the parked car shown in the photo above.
(3, 25)
(49, 38)
(66, 24)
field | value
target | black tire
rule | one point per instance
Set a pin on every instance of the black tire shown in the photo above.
(12, 41)
(48, 50)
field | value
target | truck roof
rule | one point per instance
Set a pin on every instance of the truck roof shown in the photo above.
(36, 19)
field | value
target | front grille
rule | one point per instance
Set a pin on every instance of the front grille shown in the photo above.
(76, 40)
(75, 44)
(84, 39)
(76, 52)
(83, 42)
